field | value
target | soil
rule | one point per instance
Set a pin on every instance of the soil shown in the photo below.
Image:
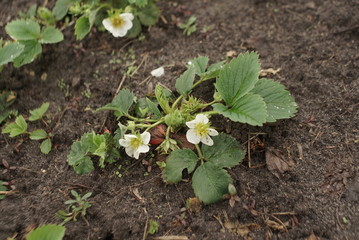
(315, 46)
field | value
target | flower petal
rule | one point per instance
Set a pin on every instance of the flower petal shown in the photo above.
(119, 32)
(158, 72)
(143, 149)
(136, 154)
(129, 136)
(202, 118)
(207, 140)
(192, 124)
(129, 151)
(124, 142)
(212, 132)
(146, 137)
(127, 16)
(192, 137)
(108, 24)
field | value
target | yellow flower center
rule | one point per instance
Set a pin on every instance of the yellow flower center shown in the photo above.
(201, 129)
(117, 21)
(136, 142)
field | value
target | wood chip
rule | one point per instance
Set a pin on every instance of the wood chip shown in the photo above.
(268, 71)
(171, 238)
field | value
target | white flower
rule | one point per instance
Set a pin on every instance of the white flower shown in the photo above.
(200, 131)
(158, 72)
(136, 144)
(118, 25)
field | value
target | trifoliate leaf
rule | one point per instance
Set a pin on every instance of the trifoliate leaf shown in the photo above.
(210, 183)
(238, 77)
(280, 104)
(46, 146)
(176, 162)
(60, 9)
(32, 48)
(10, 51)
(82, 27)
(38, 134)
(121, 103)
(47, 232)
(200, 64)
(38, 113)
(23, 30)
(149, 15)
(249, 109)
(185, 82)
(16, 128)
(226, 152)
(51, 35)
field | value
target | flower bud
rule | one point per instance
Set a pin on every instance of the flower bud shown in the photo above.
(232, 189)
(217, 96)
(131, 125)
(174, 119)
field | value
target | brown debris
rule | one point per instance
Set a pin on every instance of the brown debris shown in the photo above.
(312, 237)
(194, 204)
(277, 162)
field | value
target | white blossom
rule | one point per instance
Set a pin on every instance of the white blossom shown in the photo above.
(118, 25)
(158, 72)
(200, 131)
(136, 144)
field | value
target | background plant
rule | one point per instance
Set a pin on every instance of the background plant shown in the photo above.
(20, 127)
(77, 207)
(239, 95)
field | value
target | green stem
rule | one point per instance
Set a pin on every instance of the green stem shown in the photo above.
(139, 119)
(176, 102)
(200, 155)
(199, 82)
(210, 113)
(152, 125)
(168, 132)
(209, 104)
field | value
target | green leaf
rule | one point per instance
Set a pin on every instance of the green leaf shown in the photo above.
(200, 64)
(60, 9)
(210, 183)
(280, 104)
(23, 29)
(2, 188)
(249, 109)
(121, 103)
(9, 52)
(51, 35)
(30, 52)
(153, 108)
(139, 3)
(38, 113)
(185, 82)
(225, 153)
(16, 128)
(149, 15)
(82, 27)
(47, 232)
(38, 134)
(163, 98)
(84, 166)
(212, 71)
(46, 146)
(176, 162)
(135, 30)
(238, 77)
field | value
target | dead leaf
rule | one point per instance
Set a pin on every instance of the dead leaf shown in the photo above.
(231, 53)
(277, 163)
(268, 71)
(182, 141)
(137, 195)
(241, 230)
(194, 204)
(312, 237)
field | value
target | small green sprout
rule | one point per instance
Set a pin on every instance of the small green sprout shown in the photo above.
(152, 227)
(189, 26)
(77, 207)
(20, 127)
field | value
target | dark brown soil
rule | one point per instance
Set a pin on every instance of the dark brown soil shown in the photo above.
(314, 43)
